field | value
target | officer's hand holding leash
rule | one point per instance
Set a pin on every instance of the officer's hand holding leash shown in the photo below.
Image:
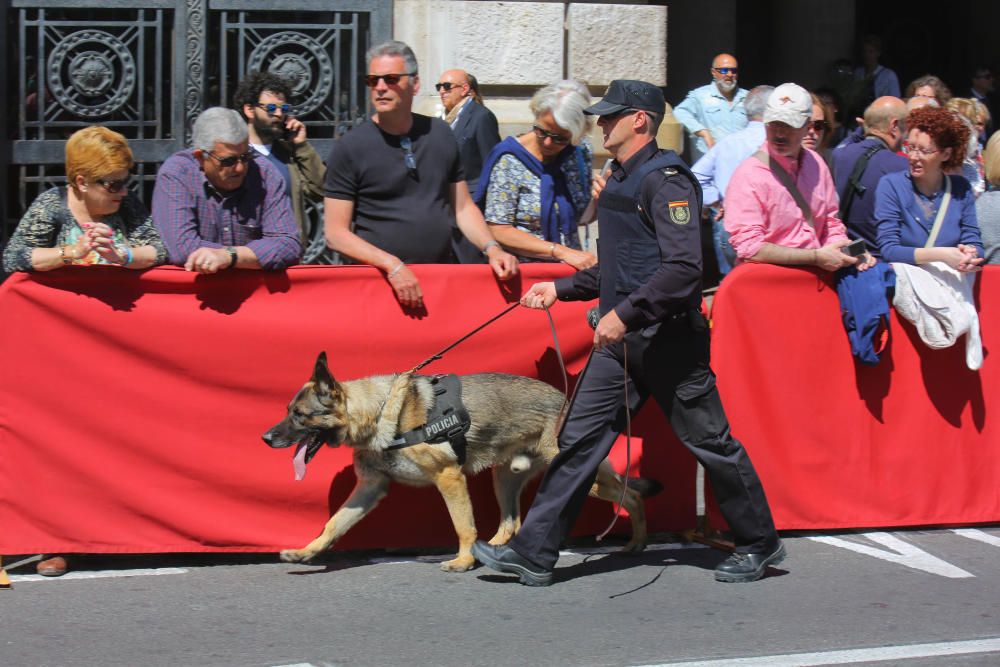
(540, 296)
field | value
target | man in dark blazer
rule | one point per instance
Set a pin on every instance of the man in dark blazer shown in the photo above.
(474, 125)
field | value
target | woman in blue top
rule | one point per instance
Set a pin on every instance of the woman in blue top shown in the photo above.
(535, 189)
(907, 202)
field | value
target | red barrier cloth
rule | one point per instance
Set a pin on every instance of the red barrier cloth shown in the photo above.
(132, 404)
(841, 445)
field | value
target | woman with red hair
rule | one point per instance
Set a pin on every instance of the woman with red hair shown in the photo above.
(924, 215)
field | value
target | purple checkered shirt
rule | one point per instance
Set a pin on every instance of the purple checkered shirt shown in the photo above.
(189, 213)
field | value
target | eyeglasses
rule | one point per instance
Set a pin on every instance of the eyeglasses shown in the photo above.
(409, 159)
(270, 108)
(371, 80)
(446, 86)
(114, 186)
(726, 71)
(544, 134)
(231, 161)
(910, 149)
(819, 125)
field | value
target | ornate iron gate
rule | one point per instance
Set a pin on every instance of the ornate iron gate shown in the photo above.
(148, 69)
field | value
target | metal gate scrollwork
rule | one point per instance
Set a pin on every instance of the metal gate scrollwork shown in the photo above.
(148, 68)
(91, 73)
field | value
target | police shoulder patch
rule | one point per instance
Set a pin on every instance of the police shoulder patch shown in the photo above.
(680, 212)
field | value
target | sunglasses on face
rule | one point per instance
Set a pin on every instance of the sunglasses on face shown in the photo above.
(544, 134)
(409, 159)
(726, 71)
(446, 86)
(271, 108)
(231, 161)
(115, 186)
(819, 125)
(371, 80)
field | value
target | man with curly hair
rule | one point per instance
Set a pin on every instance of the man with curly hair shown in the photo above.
(280, 137)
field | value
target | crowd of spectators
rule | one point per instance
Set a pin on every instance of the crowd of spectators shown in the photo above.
(786, 179)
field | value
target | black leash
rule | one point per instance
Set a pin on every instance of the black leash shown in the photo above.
(628, 445)
(435, 357)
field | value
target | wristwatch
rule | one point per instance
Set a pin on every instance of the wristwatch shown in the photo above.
(232, 255)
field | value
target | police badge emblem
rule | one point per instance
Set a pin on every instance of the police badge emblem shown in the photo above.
(680, 212)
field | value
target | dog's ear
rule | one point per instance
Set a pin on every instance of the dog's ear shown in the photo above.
(321, 373)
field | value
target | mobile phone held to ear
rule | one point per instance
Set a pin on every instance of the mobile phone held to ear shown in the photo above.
(855, 248)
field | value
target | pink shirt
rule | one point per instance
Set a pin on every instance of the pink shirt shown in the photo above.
(759, 209)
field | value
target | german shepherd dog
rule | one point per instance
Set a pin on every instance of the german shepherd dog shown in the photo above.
(513, 431)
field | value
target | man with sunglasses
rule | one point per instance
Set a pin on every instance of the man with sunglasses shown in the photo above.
(652, 334)
(475, 126)
(395, 187)
(714, 110)
(781, 203)
(218, 208)
(275, 134)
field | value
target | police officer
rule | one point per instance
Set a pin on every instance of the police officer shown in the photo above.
(652, 333)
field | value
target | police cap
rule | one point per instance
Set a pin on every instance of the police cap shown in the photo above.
(625, 94)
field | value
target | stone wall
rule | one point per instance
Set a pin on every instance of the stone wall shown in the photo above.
(514, 48)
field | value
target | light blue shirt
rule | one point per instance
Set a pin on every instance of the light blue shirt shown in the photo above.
(716, 167)
(707, 108)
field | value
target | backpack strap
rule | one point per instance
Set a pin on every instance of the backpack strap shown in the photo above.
(785, 179)
(854, 187)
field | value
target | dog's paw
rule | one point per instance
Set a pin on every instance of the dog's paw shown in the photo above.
(501, 538)
(460, 564)
(295, 556)
(633, 547)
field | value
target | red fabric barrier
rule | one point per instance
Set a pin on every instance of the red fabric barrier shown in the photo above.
(840, 445)
(131, 404)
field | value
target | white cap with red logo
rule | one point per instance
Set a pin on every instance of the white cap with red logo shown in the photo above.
(790, 104)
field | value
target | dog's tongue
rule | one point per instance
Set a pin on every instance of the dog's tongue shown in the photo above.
(299, 462)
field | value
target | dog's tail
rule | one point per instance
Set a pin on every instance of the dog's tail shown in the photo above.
(645, 487)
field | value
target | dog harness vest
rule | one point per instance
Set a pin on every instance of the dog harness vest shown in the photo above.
(447, 420)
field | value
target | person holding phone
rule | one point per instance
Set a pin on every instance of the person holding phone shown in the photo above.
(275, 133)
(781, 202)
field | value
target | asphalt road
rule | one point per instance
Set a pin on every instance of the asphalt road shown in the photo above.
(908, 598)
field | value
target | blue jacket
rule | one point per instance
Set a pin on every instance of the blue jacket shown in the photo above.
(903, 227)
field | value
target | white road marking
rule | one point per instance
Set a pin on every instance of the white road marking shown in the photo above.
(903, 553)
(99, 574)
(978, 535)
(850, 656)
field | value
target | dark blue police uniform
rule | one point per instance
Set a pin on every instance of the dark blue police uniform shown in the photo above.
(650, 274)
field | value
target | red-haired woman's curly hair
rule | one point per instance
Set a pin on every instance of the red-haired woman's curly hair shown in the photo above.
(945, 128)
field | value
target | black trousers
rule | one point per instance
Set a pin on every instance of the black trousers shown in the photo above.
(671, 362)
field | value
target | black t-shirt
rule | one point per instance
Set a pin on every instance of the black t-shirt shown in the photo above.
(407, 214)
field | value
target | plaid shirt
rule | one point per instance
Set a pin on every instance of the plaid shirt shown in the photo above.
(189, 213)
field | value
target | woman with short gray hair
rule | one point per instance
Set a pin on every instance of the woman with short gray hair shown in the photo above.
(534, 188)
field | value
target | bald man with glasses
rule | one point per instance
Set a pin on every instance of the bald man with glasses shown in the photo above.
(714, 110)
(474, 126)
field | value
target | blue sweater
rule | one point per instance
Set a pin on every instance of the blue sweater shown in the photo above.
(903, 227)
